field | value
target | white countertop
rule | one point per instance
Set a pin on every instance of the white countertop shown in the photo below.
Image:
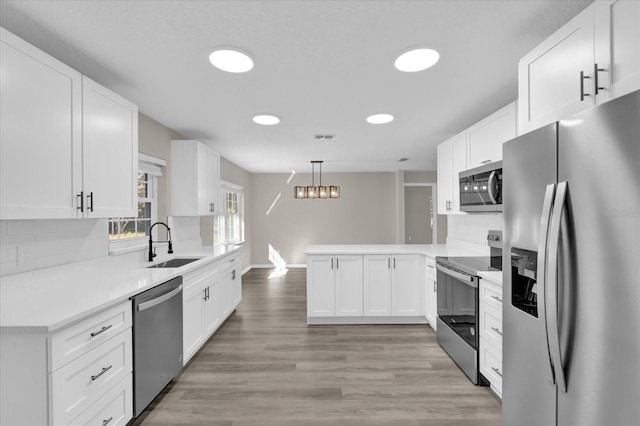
(429, 250)
(47, 299)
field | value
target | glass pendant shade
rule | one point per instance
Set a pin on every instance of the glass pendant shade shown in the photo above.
(322, 192)
(312, 192)
(300, 192)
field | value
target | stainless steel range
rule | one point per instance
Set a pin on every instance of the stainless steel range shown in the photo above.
(458, 309)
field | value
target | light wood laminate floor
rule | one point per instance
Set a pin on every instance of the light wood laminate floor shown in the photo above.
(266, 366)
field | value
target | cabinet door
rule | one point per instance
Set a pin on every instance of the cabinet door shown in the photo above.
(211, 312)
(445, 176)
(406, 296)
(213, 181)
(549, 80)
(617, 48)
(192, 320)
(321, 292)
(431, 294)
(235, 279)
(377, 285)
(348, 285)
(459, 165)
(41, 133)
(109, 152)
(485, 138)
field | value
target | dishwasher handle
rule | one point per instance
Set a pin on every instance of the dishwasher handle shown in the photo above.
(153, 302)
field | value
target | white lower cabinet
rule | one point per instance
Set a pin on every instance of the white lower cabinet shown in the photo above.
(115, 408)
(365, 288)
(71, 376)
(491, 333)
(210, 295)
(431, 292)
(334, 285)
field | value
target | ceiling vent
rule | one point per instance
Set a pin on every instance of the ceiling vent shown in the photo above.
(324, 137)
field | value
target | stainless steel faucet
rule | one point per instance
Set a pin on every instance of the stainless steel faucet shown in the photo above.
(151, 251)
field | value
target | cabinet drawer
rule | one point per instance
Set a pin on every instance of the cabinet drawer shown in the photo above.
(491, 324)
(491, 365)
(229, 262)
(115, 408)
(194, 277)
(78, 339)
(491, 294)
(79, 384)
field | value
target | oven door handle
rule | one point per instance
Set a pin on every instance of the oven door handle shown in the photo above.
(470, 280)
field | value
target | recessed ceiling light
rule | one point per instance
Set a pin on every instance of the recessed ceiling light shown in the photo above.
(231, 60)
(266, 120)
(417, 60)
(380, 118)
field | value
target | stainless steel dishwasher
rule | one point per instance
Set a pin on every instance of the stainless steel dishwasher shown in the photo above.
(157, 341)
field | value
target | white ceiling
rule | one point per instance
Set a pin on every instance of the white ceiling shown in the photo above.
(321, 66)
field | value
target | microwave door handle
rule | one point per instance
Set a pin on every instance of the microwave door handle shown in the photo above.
(552, 287)
(492, 177)
(543, 240)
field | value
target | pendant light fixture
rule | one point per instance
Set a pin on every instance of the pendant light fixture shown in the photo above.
(314, 191)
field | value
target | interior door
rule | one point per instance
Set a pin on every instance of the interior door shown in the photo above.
(419, 216)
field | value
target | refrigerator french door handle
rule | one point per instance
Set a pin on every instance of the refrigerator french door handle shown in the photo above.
(552, 287)
(543, 240)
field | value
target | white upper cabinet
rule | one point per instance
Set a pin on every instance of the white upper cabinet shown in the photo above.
(69, 146)
(485, 138)
(591, 59)
(41, 133)
(109, 152)
(617, 48)
(195, 179)
(452, 159)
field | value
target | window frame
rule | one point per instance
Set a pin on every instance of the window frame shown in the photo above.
(221, 222)
(151, 166)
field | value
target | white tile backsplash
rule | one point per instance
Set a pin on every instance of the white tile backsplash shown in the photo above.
(33, 244)
(474, 227)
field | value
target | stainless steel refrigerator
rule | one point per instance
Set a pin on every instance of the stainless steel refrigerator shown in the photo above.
(571, 270)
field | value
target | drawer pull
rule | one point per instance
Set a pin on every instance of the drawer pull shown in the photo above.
(497, 298)
(107, 421)
(497, 330)
(104, 370)
(497, 371)
(95, 333)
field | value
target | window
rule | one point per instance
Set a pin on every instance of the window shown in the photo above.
(127, 233)
(126, 228)
(228, 228)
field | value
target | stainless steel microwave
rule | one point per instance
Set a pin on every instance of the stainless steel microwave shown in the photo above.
(481, 188)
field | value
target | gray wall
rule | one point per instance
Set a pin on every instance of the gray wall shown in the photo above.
(365, 213)
(155, 139)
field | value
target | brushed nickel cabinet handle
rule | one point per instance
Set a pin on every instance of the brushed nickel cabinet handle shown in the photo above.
(497, 371)
(497, 298)
(582, 78)
(497, 330)
(104, 370)
(107, 421)
(596, 84)
(102, 330)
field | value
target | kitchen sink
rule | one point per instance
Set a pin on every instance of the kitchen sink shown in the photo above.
(175, 263)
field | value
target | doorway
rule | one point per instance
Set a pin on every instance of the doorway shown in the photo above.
(420, 221)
